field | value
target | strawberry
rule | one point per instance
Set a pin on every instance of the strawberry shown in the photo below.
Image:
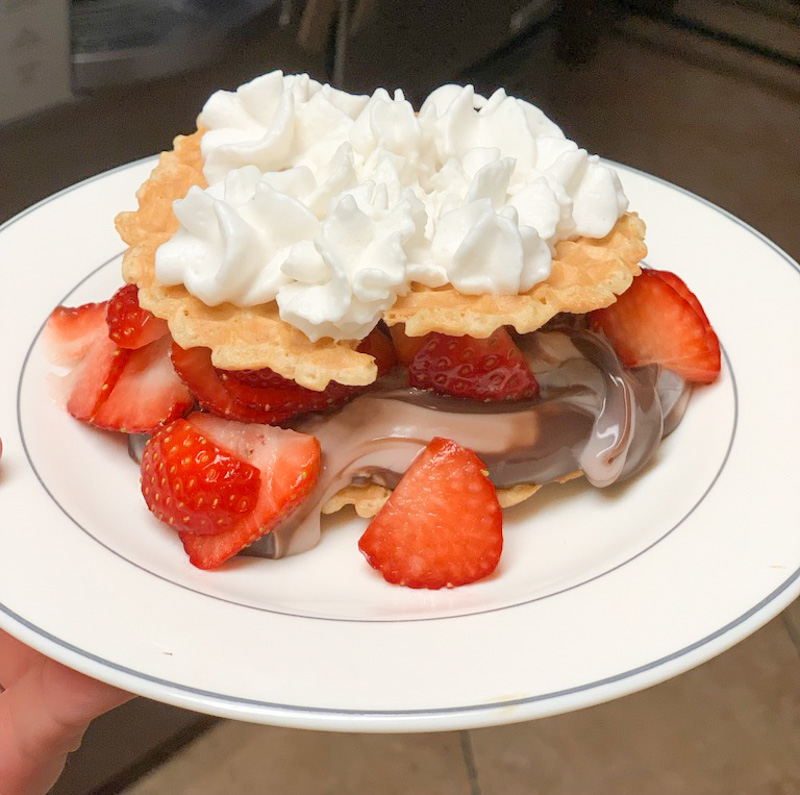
(193, 484)
(381, 349)
(442, 525)
(94, 378)
(489, 369)
(147, 391)
(195, 369)
(265, 389)
(376, 345)
(113, 387)
(287, 464)
(129, 325)
(658, 320)
(268, 391)
(263, 395)
(405, 346)
(680, 287)
(70, 330)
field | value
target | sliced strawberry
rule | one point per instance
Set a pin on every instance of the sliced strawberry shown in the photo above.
(683, 291)
(194, 485)
(381, 348)
(488, 369)
(263, 395)
(70, 330)
(405, 346)
(658, 320)
(257, 379)
(110, 386)
(280, 403)
(266, 390)
(129, 325)
(288, 464)
(147, 392)
(442, 525)
(195, 369)
(94, 378)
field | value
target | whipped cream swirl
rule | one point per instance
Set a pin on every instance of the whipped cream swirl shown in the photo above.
(333, 204)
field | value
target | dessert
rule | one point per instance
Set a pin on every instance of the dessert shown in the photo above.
(335, 300)
(454, 220)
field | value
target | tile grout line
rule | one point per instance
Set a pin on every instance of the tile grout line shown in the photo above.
(469, 761)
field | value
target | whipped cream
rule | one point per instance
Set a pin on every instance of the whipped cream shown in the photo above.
(333, 204)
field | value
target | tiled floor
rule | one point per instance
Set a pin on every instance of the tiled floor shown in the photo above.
(729, 727)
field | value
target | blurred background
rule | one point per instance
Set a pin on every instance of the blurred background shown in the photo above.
(703, 93)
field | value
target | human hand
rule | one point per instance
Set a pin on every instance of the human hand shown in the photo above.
(44, 711)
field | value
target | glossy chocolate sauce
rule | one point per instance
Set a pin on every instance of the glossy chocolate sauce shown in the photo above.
(592, 415)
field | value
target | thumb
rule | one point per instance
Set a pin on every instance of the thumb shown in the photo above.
(43, 717)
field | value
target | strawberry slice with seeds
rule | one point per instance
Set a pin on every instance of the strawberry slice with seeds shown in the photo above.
(194, 485)
(95, 377)
(113, 387)
(490, 369)
(279, 397)
(658, 320)
(70, 330)
(442, 526)
(129, 325)
(147, 391)
(78, 336)
(195, 369)
(262, 395)
(266, 390)
(287, 462)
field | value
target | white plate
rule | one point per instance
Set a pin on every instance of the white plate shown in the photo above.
(599, 593)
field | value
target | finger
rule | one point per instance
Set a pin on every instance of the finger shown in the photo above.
(75, 699)
(42, 718)
(15, 659)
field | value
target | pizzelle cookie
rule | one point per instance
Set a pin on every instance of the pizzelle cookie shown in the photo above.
(368, 499)
(586, 274)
